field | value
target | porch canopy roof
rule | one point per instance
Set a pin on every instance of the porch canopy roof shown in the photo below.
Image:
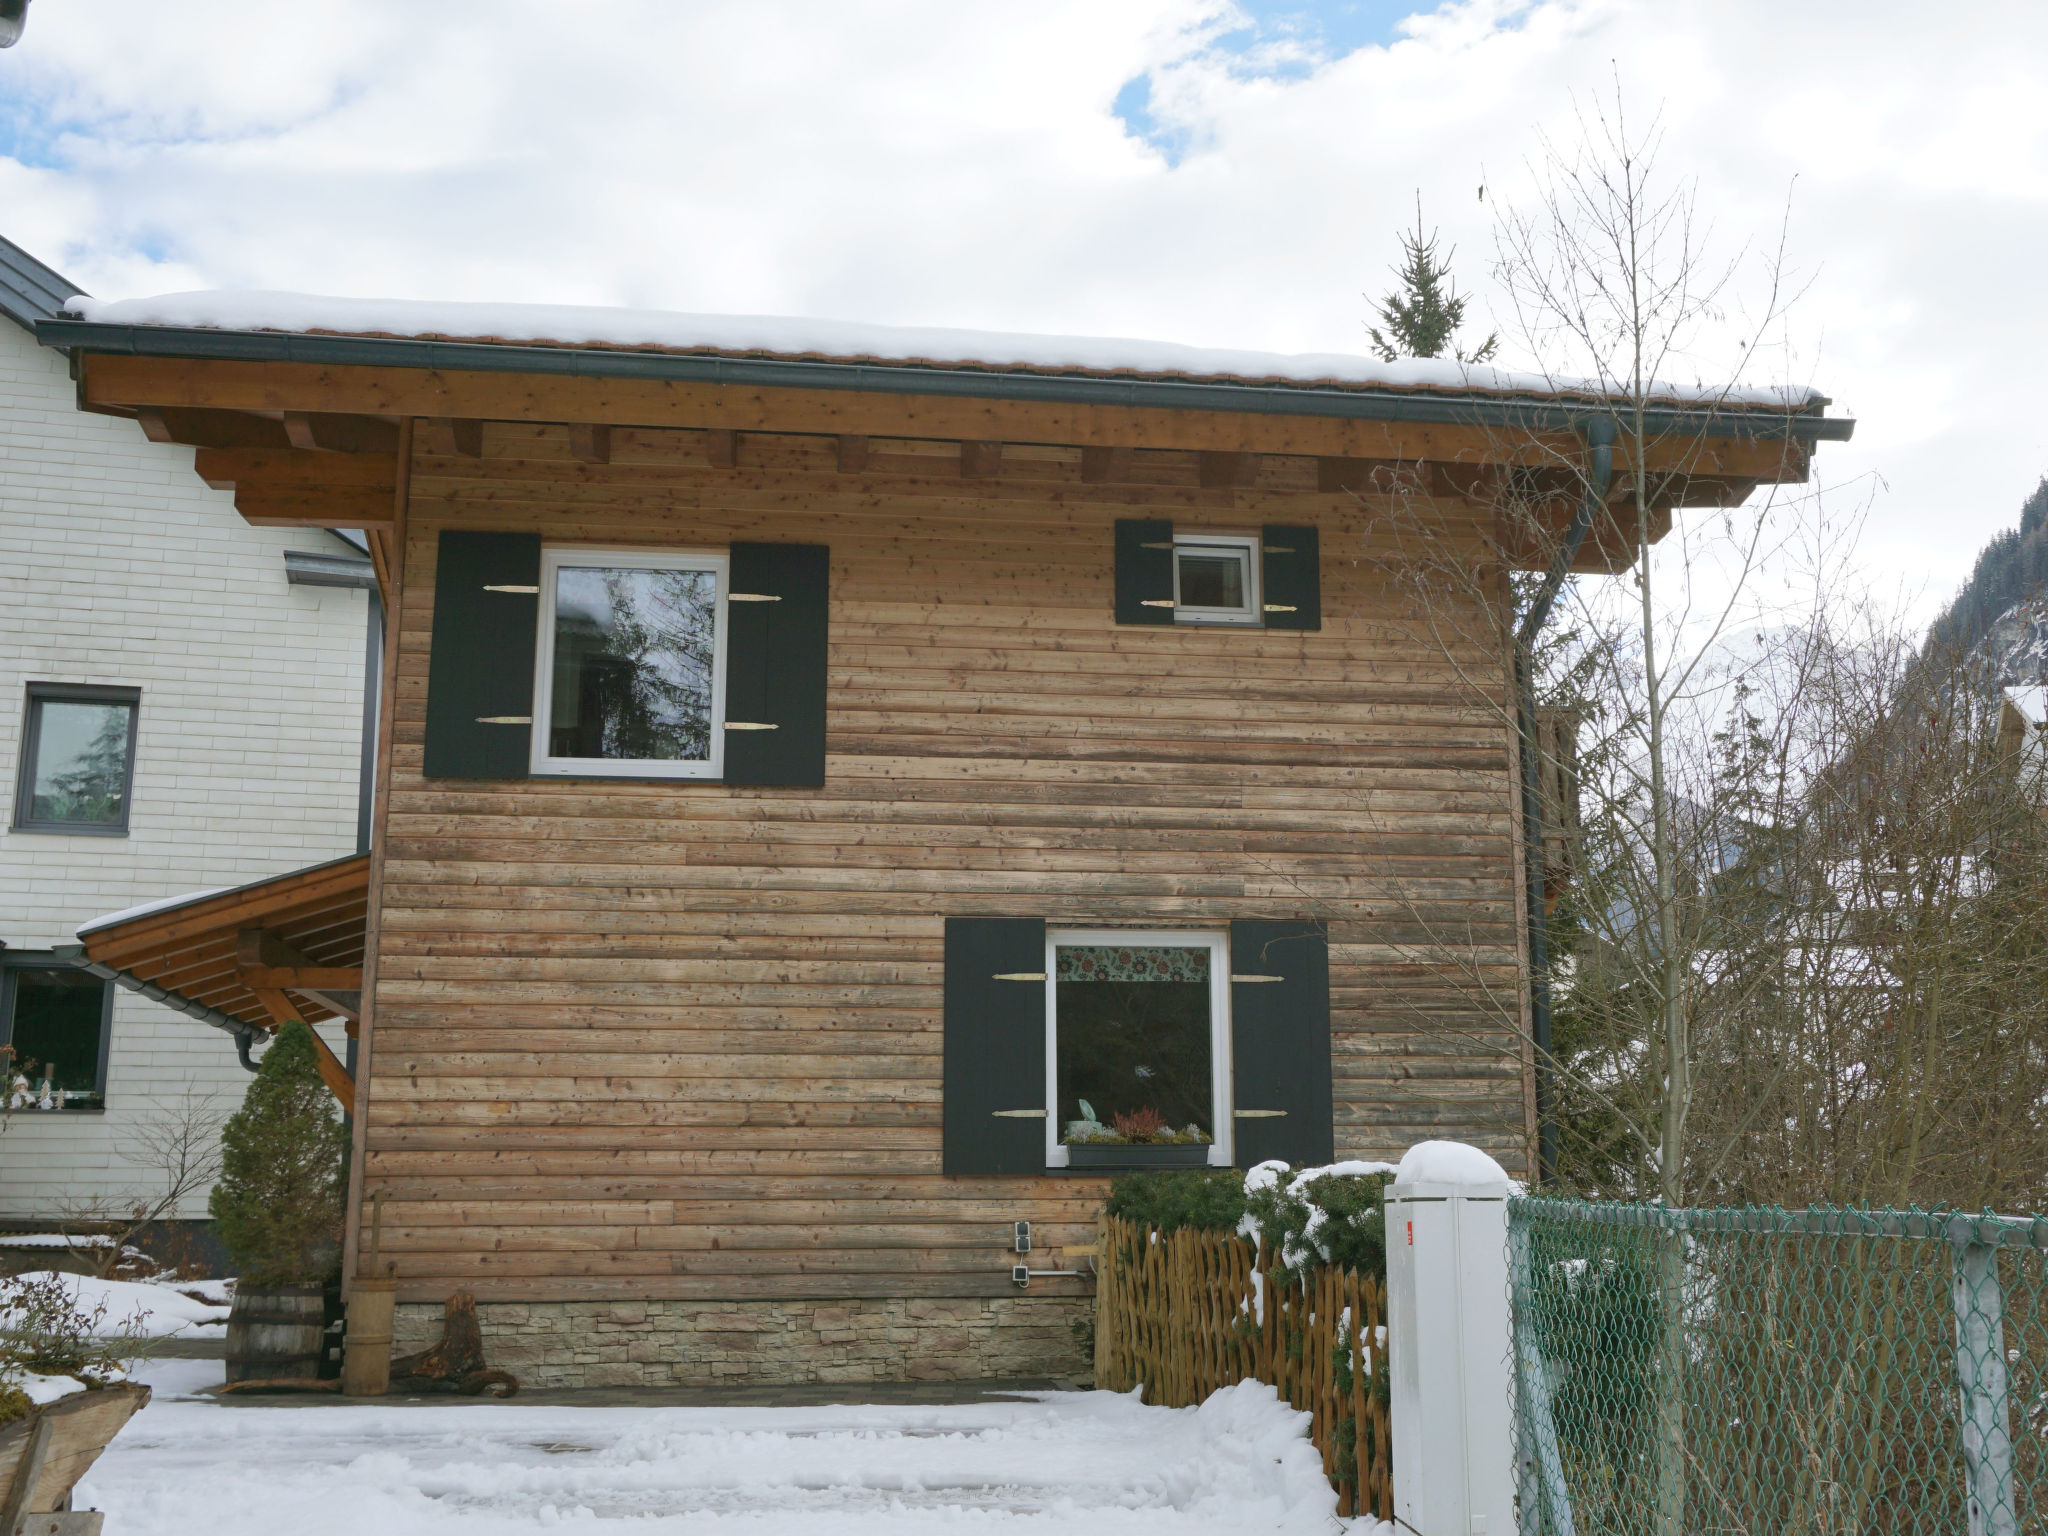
(304, 405)
(248, 958)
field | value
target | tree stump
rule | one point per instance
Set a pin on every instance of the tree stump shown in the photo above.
(456, 1362)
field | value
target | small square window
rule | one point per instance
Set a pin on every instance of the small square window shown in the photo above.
(630, 669)
(77, 759)
(1215, 579)
(1139, 1047)
(53, 1037)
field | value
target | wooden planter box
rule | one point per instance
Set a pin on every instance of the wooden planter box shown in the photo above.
(1109, 1154)
(43, 1456)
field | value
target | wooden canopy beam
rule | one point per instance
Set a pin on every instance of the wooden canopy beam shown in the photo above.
(268, 966)
(168, 383)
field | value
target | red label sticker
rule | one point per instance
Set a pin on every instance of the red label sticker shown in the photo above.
(1411, 1234)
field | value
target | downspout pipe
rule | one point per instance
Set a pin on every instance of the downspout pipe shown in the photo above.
(1598, 434)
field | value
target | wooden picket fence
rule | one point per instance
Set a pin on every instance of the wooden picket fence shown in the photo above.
(1175, 1311)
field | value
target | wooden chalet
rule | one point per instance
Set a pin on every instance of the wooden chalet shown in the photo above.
(843, 793)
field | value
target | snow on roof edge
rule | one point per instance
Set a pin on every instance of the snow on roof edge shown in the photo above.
(143, 909)
(567, 325)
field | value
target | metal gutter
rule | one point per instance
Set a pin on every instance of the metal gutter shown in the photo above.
(74, 954)
(1525, 413)
(303, 569)
(1599, 435)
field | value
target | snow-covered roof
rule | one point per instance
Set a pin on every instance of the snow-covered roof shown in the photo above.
(788, 337)
(143, 909)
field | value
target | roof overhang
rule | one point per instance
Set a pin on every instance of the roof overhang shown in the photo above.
(245, 960)
(313, 429)
(1527, 413)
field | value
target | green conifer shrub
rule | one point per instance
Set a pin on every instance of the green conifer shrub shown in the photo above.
(284, 1171)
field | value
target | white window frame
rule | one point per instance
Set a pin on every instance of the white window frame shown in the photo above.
(1221, 1150)
(553, 560)
(1247, 544)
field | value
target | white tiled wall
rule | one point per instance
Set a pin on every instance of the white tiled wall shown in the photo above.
(118, 565)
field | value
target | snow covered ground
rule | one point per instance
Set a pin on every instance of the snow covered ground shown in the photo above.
(150, 1310)
(1092, 1461)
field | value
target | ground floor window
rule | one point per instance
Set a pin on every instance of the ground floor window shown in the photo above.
(1138, 1047)
(54, 1024)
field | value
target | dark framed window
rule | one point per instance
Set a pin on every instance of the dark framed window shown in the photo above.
(77, 765)
(55, 1023)
(1137, 1045)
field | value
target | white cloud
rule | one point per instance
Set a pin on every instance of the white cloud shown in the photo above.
(921, 161)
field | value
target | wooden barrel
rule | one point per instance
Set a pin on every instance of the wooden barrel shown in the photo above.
(275, 1331)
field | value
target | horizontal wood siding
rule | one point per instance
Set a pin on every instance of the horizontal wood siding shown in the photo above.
(683, 1040)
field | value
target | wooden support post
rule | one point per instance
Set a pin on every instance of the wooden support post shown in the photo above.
(722, 448)
(980, 460)
(1106, 466)
(591, 442)
(153, 425)
(252, 948)
(852, 454)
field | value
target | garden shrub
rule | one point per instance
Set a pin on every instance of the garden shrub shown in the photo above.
(1206, 1199)
(1326, 1216)
(284, 1171)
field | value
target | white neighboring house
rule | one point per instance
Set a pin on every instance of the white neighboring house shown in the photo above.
(182, 705)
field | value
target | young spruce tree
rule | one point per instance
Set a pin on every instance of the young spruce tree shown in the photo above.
(284, 1170)
(1423, 318)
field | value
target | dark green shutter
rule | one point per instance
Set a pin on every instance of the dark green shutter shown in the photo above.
(1290, 577)
(775, 663)
(1280, 1042)
(480, 667)
(1144, 571)
(995, 1045)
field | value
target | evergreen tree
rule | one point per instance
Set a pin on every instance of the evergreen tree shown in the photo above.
(1422, 319)
(284, 1170)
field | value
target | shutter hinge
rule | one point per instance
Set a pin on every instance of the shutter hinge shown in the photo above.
(750, 725)
(1258, 978)
(1018, 976)
(504, 719)
(1259, 1114)
(1155, 602)
(1275, 549)
(529, 591)
(1281, 608)
(1018, 1114)
(753, 597)
(1167, 545)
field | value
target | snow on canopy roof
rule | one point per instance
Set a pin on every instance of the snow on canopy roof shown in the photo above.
(568, 325)
(143, 909)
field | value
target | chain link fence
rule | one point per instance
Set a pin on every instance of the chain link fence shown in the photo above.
(1801, 1373)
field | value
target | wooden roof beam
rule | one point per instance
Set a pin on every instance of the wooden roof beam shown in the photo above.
(133, 381)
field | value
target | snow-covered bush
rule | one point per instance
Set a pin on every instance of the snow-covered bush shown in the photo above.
(47, 1334)
(1310, 1217)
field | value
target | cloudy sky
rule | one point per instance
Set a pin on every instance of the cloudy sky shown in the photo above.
(1194, 170)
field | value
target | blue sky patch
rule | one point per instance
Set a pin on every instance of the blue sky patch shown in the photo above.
(1276, 40)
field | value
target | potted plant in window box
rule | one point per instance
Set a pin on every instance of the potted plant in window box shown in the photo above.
(1139, 1139)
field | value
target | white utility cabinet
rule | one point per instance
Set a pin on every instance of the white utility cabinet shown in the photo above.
(1448, 1338)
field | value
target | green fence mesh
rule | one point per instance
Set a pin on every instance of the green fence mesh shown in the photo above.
(1790, 1372)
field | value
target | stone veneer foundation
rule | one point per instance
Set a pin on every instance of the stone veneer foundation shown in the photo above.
(708, 1343)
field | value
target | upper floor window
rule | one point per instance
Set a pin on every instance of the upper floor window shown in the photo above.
(1216, 579)
(77, 759)
(53, 1035)
(629, 675)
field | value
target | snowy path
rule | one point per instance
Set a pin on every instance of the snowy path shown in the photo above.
(1066, 1461)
